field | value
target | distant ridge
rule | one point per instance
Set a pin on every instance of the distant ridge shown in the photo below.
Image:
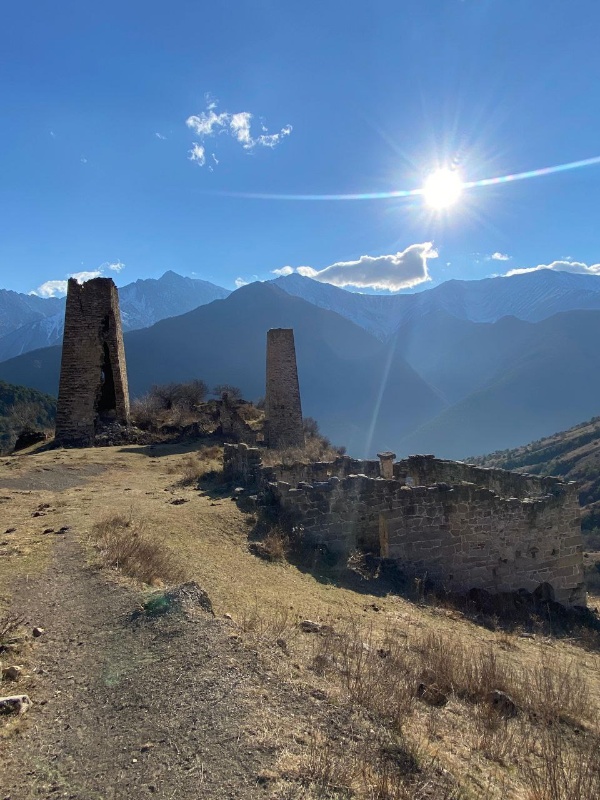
(362, 392)
(142, 304)
(530, 296)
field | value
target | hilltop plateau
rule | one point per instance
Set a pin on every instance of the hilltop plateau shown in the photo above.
(303, 685)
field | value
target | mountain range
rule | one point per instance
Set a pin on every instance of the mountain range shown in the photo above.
(28, 322)
(437, 371)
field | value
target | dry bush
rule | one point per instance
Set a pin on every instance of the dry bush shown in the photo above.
(316, 448)
(274, 545)
(145, 411)
(10, 625)
(330, 770)
(468, 673)
(267, 624)
(563, 770)
(208, 458)
(379, 676)
(124, 544)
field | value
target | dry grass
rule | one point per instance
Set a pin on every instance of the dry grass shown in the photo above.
(10, 626)
(126, 545)
(316, 448)
(547, 752)
(194, 467)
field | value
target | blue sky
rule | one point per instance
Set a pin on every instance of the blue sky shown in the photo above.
(348, 97)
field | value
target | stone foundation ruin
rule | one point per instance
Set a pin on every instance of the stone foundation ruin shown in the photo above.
(283, 410)
(460, 526)
(93, 379)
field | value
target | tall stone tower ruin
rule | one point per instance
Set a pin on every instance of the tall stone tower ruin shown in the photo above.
(283, 410)
(93, 379)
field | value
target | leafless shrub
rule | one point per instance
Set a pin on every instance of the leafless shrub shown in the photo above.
(10, 625)
(562, 771)
(267, 624)
(330, 770)
(275, 544)
(232, 392)
(316, 448)
(467, 673)
(144, 411)
(124, 544)
(196, 465)
(379, 676)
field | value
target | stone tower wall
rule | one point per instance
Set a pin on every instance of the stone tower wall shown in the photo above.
(283, 410)
(93, 377)
(461, 526)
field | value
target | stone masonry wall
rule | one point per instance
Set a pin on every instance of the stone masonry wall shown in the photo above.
(515, 532)
(283, 410)
(93, 377)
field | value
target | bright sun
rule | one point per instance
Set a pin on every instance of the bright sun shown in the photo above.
(442, 188)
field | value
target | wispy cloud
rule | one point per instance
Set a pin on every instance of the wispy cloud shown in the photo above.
(209, 124)
(240, 282)
(160, 136)
(198, 154)
(392, 272)
(560, 266)
(58, 288)
(283, 271)
(500, 257)
(115, 266)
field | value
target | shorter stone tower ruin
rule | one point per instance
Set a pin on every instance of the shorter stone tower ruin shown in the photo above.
(283, 410)
(93, 379)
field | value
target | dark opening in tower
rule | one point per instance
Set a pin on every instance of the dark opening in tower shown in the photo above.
(107, 401)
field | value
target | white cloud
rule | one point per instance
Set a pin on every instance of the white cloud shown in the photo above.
(51, 289)
(86, 275)
(58, 288)
(560, 266)
(209, 123)
(198, 154)
(115, 266)
(393, 272)
(240, 282)
(83, 160)
(500, 257)
(160, 136)
(283, 271)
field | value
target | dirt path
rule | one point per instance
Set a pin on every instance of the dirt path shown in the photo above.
(133, 707)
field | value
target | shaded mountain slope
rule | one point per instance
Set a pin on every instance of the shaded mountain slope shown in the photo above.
(142, 304)
(362, 392)
(545, 381)
(573, 454)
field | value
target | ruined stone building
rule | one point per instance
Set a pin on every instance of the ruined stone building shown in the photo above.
(458, 525)
(93, 379)
(283, 410)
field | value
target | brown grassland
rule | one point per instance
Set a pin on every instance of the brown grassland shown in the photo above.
(419, 675)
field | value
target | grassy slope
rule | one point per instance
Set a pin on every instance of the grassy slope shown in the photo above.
(485, 756)
(573, 455)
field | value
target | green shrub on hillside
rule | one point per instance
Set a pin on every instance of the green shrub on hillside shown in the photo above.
(22, 408)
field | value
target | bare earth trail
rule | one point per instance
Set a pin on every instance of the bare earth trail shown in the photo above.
(189, 706)
(153, 706)
(126, 704)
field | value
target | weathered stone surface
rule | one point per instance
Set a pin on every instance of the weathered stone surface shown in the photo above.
(93, 380)
(15, 704)
(283, 410)
(463, 528)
